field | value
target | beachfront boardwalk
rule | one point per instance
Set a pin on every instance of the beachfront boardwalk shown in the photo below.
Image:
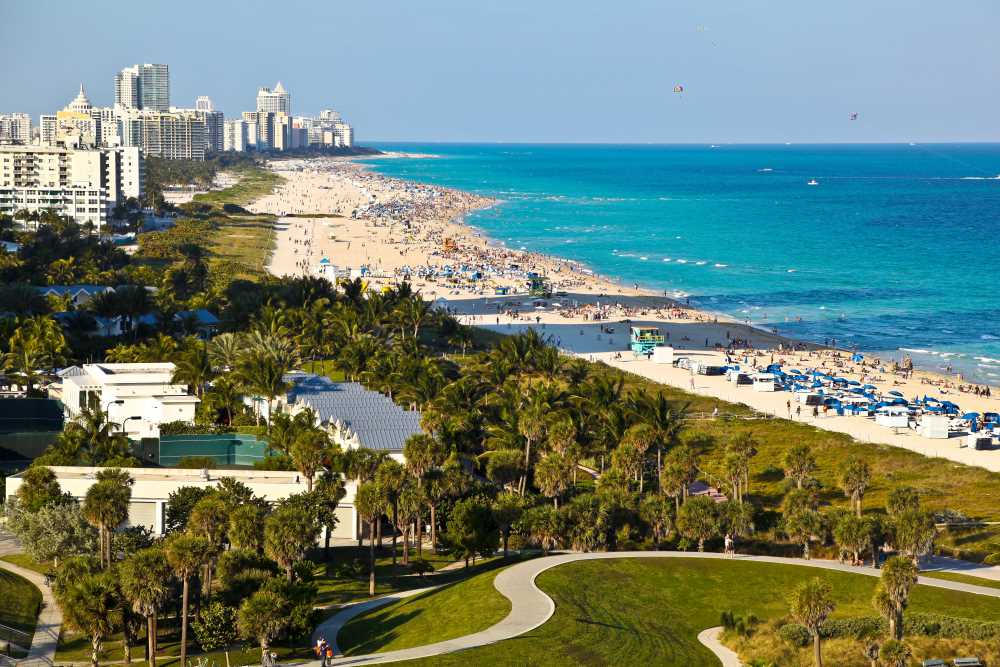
(531, 607)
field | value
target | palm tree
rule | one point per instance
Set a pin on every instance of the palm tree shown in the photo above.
(811, 604)
(856, 477)
(209, 518)
(309, 451)
(225, 395)
(665, 421)
(288, 533)
(895, 654)
(801, 521)
(225, 351)
(262, 617)
(145, 581)
(698, 519)
(552, 474)
(106, 505)
(186, 554)
(531, 426)
(92, 606)
(390, 478)
(899, 575)
(657, 511)
(800, 464)
(263, 375)
(679, 471)
(370, 504)
(915, 533)
(507, 509)
(194, 368)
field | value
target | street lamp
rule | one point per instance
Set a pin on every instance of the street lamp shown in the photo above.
(114, 402)
(121, 426)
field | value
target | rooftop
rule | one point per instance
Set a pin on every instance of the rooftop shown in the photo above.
(379, 423)
(181, 474)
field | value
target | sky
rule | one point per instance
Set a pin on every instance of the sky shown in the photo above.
(539, 70)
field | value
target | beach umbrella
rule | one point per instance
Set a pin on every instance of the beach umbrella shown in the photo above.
(869, 386)
(895, 393)
(970, 415)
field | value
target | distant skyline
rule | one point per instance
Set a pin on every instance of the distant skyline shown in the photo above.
(550, 71)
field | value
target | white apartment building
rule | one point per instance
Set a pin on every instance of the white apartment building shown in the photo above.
(15, 128)
(274, 101)
(135, 397)
(204, 103)
(152, 487)
(234, 136)
(84, 184)
(143, 87)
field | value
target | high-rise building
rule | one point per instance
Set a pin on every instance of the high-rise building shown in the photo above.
(274, 101)
(235, 136)
(143, 87)
(213, 125)
(204, 103)
(76, 124)
(178, 135)
(15, 128)
(84, 184)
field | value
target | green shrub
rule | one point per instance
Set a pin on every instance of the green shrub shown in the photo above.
(992, 559)
(859, 627)
(795, 634)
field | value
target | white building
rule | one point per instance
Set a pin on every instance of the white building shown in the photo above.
(204, 103)
(152, 487)
(274, 101)
(136, 397)
(15, 128)
(143, 87)
(180, 135)
(234, 136)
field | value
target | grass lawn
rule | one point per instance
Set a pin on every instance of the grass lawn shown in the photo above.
(254, 183)
(451, 611)
(19, 604)
(335, 588)
(962, 578)
(28, 563)
(644, 612)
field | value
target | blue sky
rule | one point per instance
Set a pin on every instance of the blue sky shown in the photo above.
(540, 70)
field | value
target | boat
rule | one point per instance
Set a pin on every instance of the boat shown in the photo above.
(813, 182)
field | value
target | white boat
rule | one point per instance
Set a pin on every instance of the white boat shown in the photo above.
(813, 182)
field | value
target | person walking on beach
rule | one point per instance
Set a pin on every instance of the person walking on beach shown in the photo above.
(788, 404)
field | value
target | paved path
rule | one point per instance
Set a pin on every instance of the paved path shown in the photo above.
(46, 638)
(530, 607)
(710, 639)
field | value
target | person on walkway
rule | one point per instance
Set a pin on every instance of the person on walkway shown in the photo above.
(729, 551)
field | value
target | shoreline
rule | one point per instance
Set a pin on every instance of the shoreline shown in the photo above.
(341, 219)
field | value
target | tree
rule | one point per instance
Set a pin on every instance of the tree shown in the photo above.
(853, 535)
(801, 521)
(811, 604)
(390, 478)
(209, 519)
(216, 628)
(145, 582)
(262, 617)
(39, 487)
(531, 425)
(309, 451)
(698, 519)
(194, 368)
(800, 464)
(680, 468)
(91, 605)
(895, 654)
(737, 517)
(55, 531)
(854, 479)
(370, 504)
(246, 528)
(288, 533)
(541, 524)
(902, 498)
(899, 575)
(552, 475)
(106, 506)
(179, 506)
(915, 532)
(471, 529)
(658, 512)
(507, 508)
(410, 501)
(504, 466)
(185, 554)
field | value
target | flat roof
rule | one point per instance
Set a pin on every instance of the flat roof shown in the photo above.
(180, 474)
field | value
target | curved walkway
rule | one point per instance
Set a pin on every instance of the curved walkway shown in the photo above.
(43, 644)
(531, 607)
(710, 639)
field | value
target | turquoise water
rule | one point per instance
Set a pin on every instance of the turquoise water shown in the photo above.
(896, 248)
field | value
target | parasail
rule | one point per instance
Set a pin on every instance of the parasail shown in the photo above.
(854, 115)
(678, 89)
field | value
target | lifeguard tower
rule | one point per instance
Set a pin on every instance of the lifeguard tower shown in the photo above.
(539, 286)
(645, 339)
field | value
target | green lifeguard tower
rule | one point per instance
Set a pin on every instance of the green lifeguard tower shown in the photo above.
(539, 286)
(644, 339)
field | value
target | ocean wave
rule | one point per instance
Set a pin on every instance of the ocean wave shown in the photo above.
(666, 259)
(980, 178)
(701, 263)
(916, 350)
(989, 337)
(682, 261)
(721, 266)
(988, 360)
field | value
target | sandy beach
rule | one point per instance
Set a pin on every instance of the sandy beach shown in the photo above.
(341, 220)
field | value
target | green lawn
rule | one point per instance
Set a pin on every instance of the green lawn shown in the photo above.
(335, 588)
(19, 604)
(28, 563)
(254, 183)
(646, 612)
(451, 611)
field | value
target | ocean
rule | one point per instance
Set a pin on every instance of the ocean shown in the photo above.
(895, 250)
